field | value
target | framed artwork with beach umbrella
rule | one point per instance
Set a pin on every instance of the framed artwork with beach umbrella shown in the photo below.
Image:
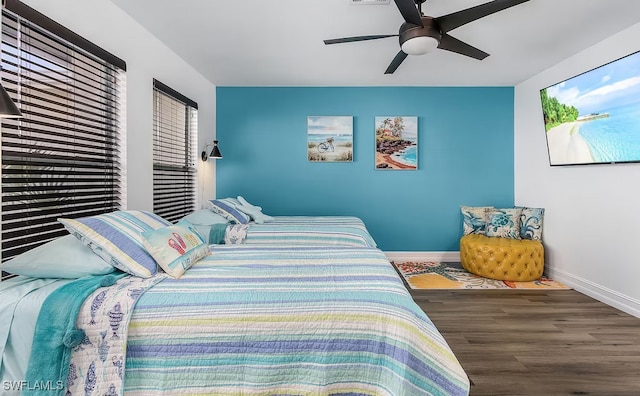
(396, 142)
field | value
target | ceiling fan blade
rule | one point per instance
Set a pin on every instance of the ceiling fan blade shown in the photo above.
(409, 11)
(358, 38)
(451, 21)
(396, 62)
(452, 44)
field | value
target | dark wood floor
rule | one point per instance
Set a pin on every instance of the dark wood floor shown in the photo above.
(557, 342)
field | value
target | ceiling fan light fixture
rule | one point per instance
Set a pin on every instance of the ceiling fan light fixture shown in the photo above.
(419, 45)
(420, 34)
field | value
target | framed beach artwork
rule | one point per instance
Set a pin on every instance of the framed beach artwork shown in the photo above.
(396, 143)
(594, 117)
(330, 138)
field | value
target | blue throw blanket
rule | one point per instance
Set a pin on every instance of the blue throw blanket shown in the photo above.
(56, 335)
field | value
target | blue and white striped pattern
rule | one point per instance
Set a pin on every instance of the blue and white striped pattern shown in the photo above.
(310, 231)
(116, 237)
(226, 208)
(287, 321)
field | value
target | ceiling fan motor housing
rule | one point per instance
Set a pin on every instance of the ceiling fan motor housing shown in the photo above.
(430, 29)
(419, 40)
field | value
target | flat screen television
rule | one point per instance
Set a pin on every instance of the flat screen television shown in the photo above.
(594, 117)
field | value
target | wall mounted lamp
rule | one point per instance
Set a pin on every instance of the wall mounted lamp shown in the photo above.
(8, 108)
(215, 152)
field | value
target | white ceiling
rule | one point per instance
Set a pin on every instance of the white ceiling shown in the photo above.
(279, 42)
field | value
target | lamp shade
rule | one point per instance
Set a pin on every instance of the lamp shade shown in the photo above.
(215, 151)
(8, 109)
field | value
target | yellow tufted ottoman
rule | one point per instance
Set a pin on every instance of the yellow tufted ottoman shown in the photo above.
(502, 258)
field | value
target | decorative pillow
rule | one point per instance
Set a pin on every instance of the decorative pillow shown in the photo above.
(116, 237)
(226, 208)
(531, 223)
(65, 257)
(255, 212)
(176, 247)
(475, 218)
(504, 223)
(235, 234)
(231, 201)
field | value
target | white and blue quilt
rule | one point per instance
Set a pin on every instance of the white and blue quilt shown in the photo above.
(267, 321)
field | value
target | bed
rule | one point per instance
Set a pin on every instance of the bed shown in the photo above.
(309, 231)
(246, 319)
(249, 225)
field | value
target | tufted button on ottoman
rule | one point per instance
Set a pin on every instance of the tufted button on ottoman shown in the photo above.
(502, 258)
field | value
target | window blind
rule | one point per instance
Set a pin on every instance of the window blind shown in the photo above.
(174, 151)
(65, 157)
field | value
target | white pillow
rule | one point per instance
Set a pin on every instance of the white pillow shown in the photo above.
(255, 212)
(65, 257)
(205, 217)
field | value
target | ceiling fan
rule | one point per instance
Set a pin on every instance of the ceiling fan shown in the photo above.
(420, 34)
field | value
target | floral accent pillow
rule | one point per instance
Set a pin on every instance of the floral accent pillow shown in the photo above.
(504, 223)
(531, 223)
(474, 219)
(235, 234)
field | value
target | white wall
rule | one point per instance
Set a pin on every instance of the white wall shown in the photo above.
(106, 25)
(591, 232)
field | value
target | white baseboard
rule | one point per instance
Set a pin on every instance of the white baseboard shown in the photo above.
(424, 256)
(610, 297)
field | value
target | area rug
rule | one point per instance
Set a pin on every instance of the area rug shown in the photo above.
(431, 275)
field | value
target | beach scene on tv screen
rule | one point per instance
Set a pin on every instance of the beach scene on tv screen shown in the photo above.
(595, 116)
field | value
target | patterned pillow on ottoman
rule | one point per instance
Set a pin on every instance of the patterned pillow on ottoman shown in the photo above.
(531, 223)
(504, 223)
(474, 219)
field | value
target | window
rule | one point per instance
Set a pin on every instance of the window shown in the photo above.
(175, 125)
(65, 157)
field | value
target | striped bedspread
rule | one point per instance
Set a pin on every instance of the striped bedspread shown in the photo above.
(310, 231)
(287, 321)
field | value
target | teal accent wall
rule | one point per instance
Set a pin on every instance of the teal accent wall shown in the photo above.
(465, 157)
